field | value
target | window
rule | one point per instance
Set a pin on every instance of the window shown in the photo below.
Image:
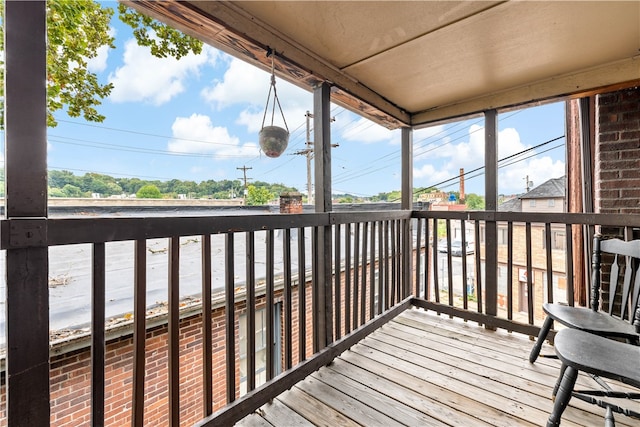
(261, 347)
(532, 203)
(552, 203)
(558, 240)
(502, 235)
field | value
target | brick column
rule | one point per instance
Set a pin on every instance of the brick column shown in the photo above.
(291, 203)
(617, 165)
(617, 171)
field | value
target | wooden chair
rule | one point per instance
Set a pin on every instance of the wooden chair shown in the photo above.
(602, 357)
(616, 322)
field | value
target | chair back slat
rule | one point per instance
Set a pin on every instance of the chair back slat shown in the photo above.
(613, 283)
(627, 256)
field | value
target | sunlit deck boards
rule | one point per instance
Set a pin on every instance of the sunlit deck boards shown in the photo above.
(424, 369)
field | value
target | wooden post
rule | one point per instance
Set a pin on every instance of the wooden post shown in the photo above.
(27, 259)
(322, 153)
(491, 203)
(407, 204)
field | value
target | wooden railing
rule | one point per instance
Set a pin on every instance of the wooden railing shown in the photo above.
(359, 270)
(350, 274)
(534, 258)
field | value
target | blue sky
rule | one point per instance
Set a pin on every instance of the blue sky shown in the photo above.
(198, 118)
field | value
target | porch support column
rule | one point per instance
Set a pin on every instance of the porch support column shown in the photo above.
(407, 204)
(27, 308)
(323, 335)
(491, 203)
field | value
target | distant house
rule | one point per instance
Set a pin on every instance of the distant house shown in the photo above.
(550, 196)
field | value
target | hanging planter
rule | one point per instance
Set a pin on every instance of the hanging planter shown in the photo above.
(273, 139)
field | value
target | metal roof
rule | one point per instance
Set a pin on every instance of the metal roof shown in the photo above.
(416, 62)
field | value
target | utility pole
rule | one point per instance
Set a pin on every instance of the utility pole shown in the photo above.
(528, 183)
(308, 152)
(244, 170)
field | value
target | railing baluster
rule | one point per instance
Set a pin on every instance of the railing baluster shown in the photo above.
(207, 339)
(174, 331)
(250, 286)
(418, 250)
(449, 264)
(381, 267)
(465, 279)
(478, 268)
(269, 305)
(530, 295)
(98, 335)
(387, 271)
(302, 287)
(399, 258)
(436, 281)
(286, 262)
(363, 287)
(140, 331)
(230, 345)
(547, 237)
(347, 278)
(569, 264)
(510, 270)
(392, 243)
(356, 273)
(315, 304)
(337, 277)
(427, 248)
(372, 271)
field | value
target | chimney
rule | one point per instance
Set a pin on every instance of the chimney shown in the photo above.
(462, 185)
(291, 203)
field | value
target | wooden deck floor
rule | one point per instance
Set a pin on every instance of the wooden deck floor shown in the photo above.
(430, 370)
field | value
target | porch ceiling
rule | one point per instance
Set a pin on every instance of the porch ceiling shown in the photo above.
(416, 62)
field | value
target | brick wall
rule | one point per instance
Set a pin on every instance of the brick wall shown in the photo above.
(70, 372)
(617, 166)
(617, 173)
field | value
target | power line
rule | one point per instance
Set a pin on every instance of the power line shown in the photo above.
(500, 166)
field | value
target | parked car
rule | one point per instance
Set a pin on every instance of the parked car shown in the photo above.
(442, 245)
(456, 248)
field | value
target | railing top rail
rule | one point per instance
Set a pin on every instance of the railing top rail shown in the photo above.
(615, 220)
(65, 231)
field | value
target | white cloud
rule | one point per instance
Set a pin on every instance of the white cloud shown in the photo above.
(512, 180)
(430, 172)
(444, 161)
(196, 134)
(246, 85)
(366, 131)
(144, 77)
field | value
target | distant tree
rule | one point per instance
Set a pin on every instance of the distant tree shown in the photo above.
(56, 192)
(345, 199)
(71, 191)
(257, 196)
(474, 202)
(149, 191)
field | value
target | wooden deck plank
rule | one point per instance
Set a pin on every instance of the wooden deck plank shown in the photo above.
(395, 409)
(498, 377)
(480, 403)
(345, 404)
(254, 420)
(313, 410)
(407, 393)
(277, 413)
(425, 369)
